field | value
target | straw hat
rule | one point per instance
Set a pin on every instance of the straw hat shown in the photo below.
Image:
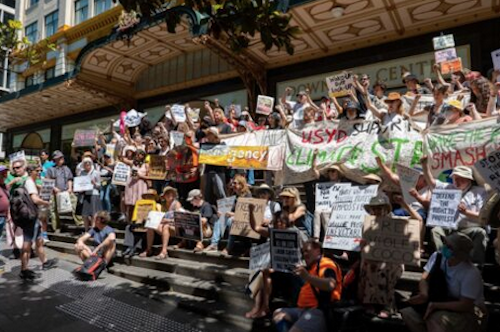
(265, 187)
(456, 104)
(150, 194)
(373, 177)
(393, 96)
(290, 192)
(212, 130)
(167, 189)
(379, 200)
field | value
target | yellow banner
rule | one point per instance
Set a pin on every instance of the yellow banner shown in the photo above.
(245, 157)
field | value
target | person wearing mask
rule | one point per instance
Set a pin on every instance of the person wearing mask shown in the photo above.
(464, 310)
(32, 230)
(89, 202)
(63, 183)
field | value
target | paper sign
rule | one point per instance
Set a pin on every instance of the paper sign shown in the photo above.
(194, 114)
(489, 168)
(340, 85)
(345, 227)
(142, 209)
(495, 57)
(157, 167)
(327, 194)
(47, 189)
(179, 112)
(451, 66)
(408, 180)
(445, 55)
(241, 221)
(260, 257)
(225, 205)
(84, 138)
(132, 119)
(82, 183)
(285, 250)
(188, 225)
(111, 150)
(121, 174)
(176, 138)
(16, 156)
(237, 110)
(443, 210)
(265, 105)
(154, 219)
(442, 42)
(392, 240)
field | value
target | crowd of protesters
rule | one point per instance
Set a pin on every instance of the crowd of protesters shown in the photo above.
(190, 186)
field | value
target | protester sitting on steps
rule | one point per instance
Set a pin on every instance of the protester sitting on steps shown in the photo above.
(208, 215)
(103, 238)
(464, 310)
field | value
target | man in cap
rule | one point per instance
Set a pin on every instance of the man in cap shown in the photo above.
(464, 308)
(412, 85)
(468, 221)
(63, 183)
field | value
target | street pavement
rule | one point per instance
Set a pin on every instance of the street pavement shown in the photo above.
(57, 302)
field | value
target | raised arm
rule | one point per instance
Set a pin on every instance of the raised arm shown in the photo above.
(189, 121)
(376, 112)
(284, 120)
(387, 171)
(287, 92)
(437, 70)
(339, 108)
(210, 111)
(431, 182)
(168, 109)
(413, 107)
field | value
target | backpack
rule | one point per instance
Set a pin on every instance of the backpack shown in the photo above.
(90, 269)
(306, 223)
(23, 210)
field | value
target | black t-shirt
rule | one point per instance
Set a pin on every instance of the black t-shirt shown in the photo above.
(224, 128)
(206, 210)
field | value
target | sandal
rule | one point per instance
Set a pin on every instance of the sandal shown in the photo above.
(384, 314)
(161, 256)
(198, 248)
(146, 254)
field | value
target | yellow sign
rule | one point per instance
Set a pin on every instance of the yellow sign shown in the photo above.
(142, 209)
(244, 157)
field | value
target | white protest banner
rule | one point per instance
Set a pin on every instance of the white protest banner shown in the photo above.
(154, 219)
(176, 138)
(121, 174)
(285, 250)
(179, 112)
(327, 194)
(47, 189)
(82, 183)
(408, 178)
(442, 42)
(340, 85)
(260, 257)
(445, 55)
(345, 227)
(19, 155)
(241, 221)
(188, 226)
(489, 168)
(495, 58)
(443, 210)
(265, 105)
(392, 240)
(225, 205)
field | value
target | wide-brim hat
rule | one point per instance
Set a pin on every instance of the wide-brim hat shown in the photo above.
(167, 189)
(333, 167)
(460, 244)
(373, 177)
(463, 172)
(263, 188)
(151, 194)
(456, 104)
(393, 96)
(289, 192)
(379, 200)
(212, 130)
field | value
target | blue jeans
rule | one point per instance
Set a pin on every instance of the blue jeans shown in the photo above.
(105, 195)
(251, 177)
(218, 232)
(2, 224)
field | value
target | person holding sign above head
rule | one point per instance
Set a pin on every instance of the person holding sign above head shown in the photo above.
(377, 280)
(166, 226)
(451, 297)
(89, 202)
(322, 286)
(468, 221)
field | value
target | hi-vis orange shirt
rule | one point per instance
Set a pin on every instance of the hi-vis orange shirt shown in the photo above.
(307, 299)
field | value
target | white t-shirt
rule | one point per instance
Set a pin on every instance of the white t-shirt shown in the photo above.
(464, 280)
(268, 214)
(30, 186)
(474, 200)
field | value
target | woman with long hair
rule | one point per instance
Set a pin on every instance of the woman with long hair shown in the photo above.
(136, 185)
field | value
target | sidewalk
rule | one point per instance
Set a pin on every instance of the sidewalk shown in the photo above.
(58, 302)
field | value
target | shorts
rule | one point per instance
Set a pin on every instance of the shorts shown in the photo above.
(306, 320)
(32, 232)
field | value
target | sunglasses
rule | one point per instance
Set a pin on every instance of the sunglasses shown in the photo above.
(18, 167)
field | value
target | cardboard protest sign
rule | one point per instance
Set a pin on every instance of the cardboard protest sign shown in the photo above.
(285, 250)
(225, 205)
(392, 240)
(408, 178)
(445, 55)
(260, 257)
(489, 168)
(179, 112)
(241, 221)
(157, 167)
(194, 114)
(327, 194)
(142, 209)
(443, 210)
(176, 138)
(345, 227)
(495, 58)
(82, 183)
(451, 66)
(340, 85)
(47, 189)
(154, 219)
(84, 138)
(121, 174)
(242, 157)
(265, 105)
(188, 225)
(443, 42)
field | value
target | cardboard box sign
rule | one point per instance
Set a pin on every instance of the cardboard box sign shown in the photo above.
(157, 167)
(241, 221)
(443, 210)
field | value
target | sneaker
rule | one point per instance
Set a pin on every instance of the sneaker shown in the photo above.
(50, 264)
(28, 275)
(45, 238)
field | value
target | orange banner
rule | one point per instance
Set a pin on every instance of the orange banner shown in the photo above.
(245, 157)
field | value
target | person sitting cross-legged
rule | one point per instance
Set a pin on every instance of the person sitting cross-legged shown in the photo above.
(104, 239)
